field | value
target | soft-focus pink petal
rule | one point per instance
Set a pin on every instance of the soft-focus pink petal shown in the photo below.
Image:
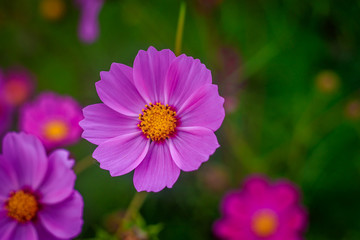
(116, 89)
(256, 187)
(296, 219)
(101, 123)
(233, 205)
(150, 68)
(185, 76)
(230, 230)
(157, 171)
(27, 156)
(7, 226)
(122, 154)
(204, 108)
(59, 180)
(64, 220)
(25, 231)
(192, 146)
(284, 194)
(8, 179)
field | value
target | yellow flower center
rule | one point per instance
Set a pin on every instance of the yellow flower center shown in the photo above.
(22, 206)
(264, 223)
(56, 130)
(158, 121)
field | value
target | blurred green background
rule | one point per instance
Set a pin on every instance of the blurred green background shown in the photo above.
(288, 69)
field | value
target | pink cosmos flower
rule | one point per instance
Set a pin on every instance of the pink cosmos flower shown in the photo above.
(88, 30)
(37, 196)
(54, 119)
(157, 118)
(16, 86)
(262, 211)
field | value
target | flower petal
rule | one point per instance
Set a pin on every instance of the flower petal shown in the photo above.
(25, 231)
(64, 220)
(116, 89)
(122, 154)
(184, 77)
(101, 123)
(192, 146)
(53, 190)
(7, 225)
(8, 179)
(27, 156)
(284, 195)
(157, 171)
(150, 68)
(204, 108)
(43, 233)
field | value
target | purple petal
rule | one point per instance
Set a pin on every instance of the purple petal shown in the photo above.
(7, 225)
(45, 234)
(8, 179)
(192, 146)
(157, 171)
(204, 108)
(63, 220)
(27, 156)
(184, 77)
(53, 190)
(116, 89)
(122, 154)
(25, 231)
(101, 123)
(150, 68)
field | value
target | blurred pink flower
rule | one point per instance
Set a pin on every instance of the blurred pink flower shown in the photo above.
(54, 119)
(88, 29)
(37, 192)
(16, 86)
(262, 211)
(157, 118)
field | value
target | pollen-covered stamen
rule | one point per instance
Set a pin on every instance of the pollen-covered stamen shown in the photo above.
(22, 206)
(158, 121)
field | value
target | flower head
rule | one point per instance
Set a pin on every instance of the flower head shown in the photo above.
(54, 119)
(52, 9)
(88, 29)
(262, 211)
(16, 86)
(157, 117)
(37, 196)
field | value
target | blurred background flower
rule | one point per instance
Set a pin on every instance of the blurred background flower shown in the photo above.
(261, 210)
(53, 118)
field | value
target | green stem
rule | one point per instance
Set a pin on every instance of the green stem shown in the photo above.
(132, 211)
(180, 29)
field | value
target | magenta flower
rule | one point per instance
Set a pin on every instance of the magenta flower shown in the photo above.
(54, 119)
(37, 196)
(16, 86)
(157, 118)
(88, 30)
(262, 211)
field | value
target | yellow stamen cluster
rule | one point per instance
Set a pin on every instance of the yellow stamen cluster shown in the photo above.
(22, 206)
(264, 223)
(158, 121)
(56, 130)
